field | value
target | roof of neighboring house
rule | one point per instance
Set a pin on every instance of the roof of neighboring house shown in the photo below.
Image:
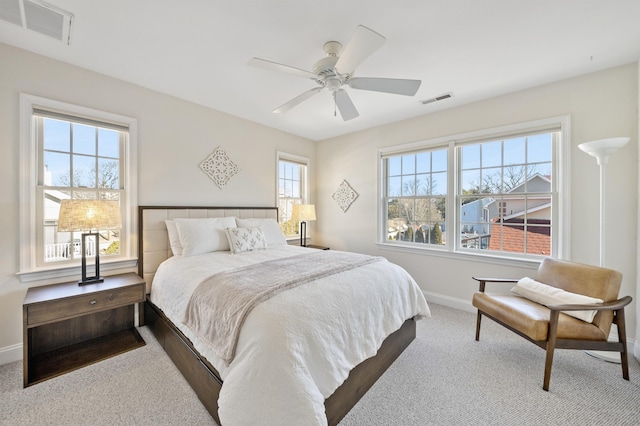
(512, 236)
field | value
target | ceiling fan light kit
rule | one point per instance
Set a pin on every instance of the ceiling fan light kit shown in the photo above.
(336, 70)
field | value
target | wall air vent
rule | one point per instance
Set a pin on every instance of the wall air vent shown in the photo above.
(38, 16)
(437, 98)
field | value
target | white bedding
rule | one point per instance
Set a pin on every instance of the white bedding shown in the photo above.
(327, 327)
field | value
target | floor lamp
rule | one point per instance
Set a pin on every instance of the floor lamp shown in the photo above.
(601, 150)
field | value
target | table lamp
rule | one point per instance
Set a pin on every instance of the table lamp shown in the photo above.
(303, 213)
(89, 217)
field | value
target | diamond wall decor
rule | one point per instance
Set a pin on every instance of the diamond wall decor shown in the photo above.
(345, 195)
(219, 167)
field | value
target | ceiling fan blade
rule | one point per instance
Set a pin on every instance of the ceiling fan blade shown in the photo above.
(297, 100)
(347, 109)
(387, 85)
(274, 66)
(363, 43)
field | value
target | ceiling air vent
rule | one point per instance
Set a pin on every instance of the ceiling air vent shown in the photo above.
(437, 98)
(38, 16)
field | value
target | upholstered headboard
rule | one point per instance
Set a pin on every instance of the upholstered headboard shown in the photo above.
(153, 240)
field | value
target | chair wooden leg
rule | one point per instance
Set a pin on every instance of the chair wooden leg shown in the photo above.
(478, 326)
(551, 345)
(622, 338)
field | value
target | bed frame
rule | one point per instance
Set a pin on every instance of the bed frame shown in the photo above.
(153, 249)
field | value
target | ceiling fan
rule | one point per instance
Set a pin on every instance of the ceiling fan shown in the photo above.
(337, 69)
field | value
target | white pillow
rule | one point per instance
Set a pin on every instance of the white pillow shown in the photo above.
(549, 296)
(270, 227)
(246, 239)
(204, 235)
(174, 237)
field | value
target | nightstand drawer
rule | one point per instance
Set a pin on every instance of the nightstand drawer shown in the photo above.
(55, 310)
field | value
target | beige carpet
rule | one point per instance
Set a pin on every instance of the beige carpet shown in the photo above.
(444, 377)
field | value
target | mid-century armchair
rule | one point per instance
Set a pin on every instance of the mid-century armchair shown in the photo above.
(551, 327)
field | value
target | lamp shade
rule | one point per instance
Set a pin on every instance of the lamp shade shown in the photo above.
(602, 148)
(303, 212)
(87, 215)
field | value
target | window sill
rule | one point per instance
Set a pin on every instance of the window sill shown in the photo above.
(73, 272)
(531, 263)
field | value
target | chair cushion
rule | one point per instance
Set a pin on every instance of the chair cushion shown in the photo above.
(532, 319)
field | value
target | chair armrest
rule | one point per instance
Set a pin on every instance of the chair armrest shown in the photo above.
(483, 281)
(607, 306)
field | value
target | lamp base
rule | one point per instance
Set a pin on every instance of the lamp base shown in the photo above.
(91, 280)
(612, 357)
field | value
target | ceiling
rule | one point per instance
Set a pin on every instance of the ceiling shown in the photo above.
(198, 50)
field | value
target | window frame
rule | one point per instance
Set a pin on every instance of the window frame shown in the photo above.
(560, 199)
(29, 189)
(304, 183)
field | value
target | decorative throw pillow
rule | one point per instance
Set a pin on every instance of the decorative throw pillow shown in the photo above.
(548, 296)
(246, 239)
(272, 232)
(174, 237)
(204, 235)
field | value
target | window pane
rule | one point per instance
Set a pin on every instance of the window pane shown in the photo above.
(57, 135)
(57, 169)
(109, 173)
(394, 187)
(423, 184)
(408, 164)
(84, 175)
(470, 182)
(439, 160)
(492, 180)
(539, 148)
(108, 145)
(491, 154)
(408, 185)
(514, 152)
(439, 183)
(394, 165)
(470, 157)
(423, 162)
(84, 139)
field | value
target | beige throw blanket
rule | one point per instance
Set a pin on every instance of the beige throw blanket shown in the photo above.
(220, 304)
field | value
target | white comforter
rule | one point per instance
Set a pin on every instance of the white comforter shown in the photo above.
(296, 348)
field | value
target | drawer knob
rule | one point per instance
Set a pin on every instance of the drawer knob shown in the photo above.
(93, 302)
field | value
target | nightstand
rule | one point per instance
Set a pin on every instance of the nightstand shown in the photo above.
(67, 326)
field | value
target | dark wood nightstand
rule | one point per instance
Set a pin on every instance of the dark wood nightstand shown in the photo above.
(67, 326)
(317, 247)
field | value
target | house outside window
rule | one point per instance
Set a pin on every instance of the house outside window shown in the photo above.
(72, 152)
(292, 189)
(493, 192)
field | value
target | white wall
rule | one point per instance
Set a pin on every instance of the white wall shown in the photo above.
(601, 105)
(174, 136)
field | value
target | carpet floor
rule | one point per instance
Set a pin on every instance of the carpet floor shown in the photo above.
(444, 377)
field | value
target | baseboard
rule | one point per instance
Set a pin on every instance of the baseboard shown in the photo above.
(451, 302)
(11, 353)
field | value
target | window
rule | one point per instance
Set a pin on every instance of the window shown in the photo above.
(500, 186)
(292, 189)
(71, 152)
(416, 191)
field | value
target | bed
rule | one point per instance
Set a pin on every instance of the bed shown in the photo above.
(322, 374)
